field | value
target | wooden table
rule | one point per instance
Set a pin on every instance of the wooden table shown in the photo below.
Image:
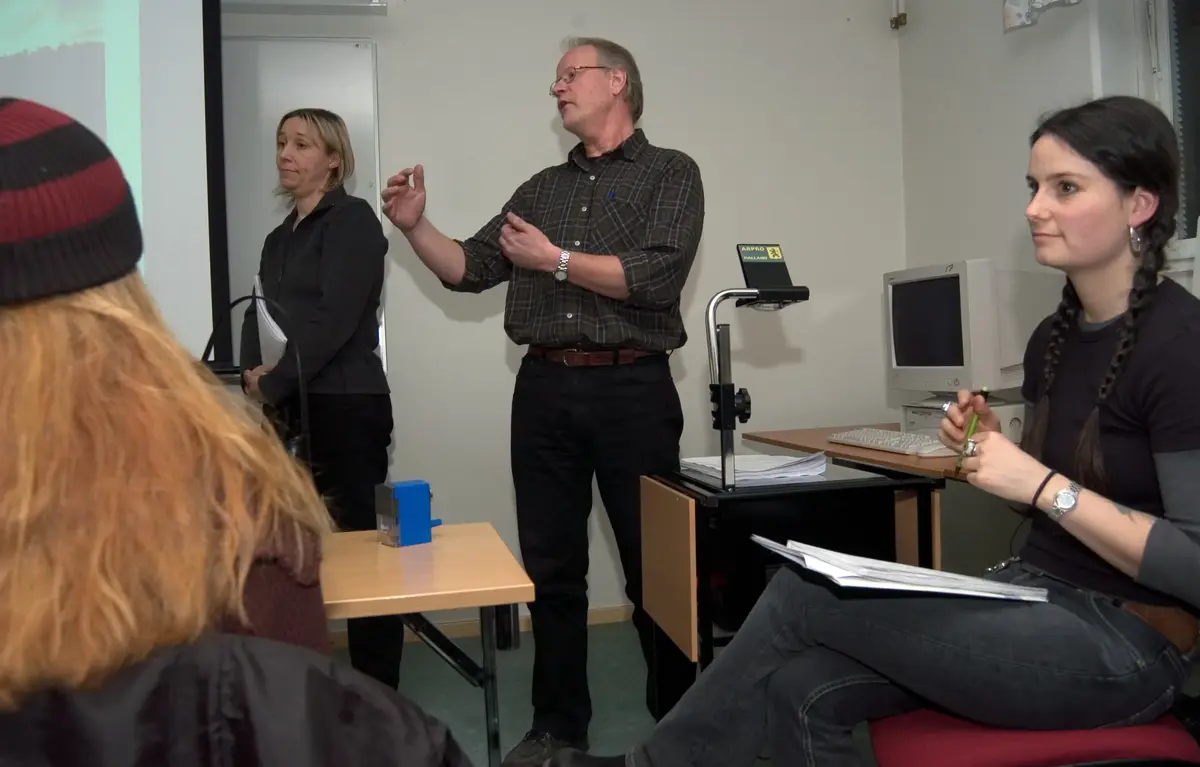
(688, 526)
(908, 517)
(809, 440)
(465, 566)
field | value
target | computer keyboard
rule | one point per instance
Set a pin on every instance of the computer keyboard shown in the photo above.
(904, 443)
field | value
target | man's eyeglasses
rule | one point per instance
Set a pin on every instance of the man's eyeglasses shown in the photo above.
(569, 77)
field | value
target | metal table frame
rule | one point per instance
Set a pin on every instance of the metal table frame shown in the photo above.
(493, 621)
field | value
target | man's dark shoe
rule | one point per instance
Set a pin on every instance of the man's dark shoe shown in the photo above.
(536, 748)
(569, 757)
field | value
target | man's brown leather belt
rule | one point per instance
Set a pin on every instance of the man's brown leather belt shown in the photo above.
(584, 358)
(1178, 626)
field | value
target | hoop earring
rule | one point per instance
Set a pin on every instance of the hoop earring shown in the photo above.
(1135, 242)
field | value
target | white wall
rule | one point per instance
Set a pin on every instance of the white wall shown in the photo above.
(972, 94)
(792, 111)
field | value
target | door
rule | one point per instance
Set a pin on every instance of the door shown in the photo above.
(264, 78)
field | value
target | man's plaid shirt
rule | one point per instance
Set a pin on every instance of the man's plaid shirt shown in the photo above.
(641, 203)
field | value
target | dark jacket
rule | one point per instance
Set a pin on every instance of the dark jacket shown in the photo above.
(227, 700)
(327, 275)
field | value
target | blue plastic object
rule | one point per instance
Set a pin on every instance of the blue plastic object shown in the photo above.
(404, 513)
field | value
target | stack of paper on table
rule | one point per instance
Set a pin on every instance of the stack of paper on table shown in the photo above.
(756, 470)
(861, 572)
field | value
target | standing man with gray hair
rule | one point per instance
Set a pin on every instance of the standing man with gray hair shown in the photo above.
(595, 252)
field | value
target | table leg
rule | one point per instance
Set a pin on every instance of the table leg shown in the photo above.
(704, 600)
(491, 699)
(918, 527)
(925, 542)
(669, 675)
(482, 676)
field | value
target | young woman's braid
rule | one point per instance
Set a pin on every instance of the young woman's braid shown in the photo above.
(1065, 318)
(1088, 456)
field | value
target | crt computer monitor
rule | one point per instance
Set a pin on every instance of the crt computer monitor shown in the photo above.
(963, 325)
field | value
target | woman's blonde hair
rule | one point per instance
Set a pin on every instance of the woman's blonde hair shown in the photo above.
(334, 135)
(134, 490)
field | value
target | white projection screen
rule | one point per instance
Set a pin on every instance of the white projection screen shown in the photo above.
(134, 72)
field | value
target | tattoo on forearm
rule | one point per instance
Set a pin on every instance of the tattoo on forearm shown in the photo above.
(1133, 514)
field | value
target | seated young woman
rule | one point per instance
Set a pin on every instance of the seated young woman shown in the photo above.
(140, 505)
(1110, 471)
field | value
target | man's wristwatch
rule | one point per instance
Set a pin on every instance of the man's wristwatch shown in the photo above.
(1064, 501)
(564, 257)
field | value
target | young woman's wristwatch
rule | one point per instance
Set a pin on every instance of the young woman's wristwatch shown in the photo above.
(1065, 501)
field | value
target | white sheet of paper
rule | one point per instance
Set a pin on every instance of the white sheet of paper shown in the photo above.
(860, 572)
(753, 470)
(271, 339)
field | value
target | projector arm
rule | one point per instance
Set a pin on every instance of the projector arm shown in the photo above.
(729, 405)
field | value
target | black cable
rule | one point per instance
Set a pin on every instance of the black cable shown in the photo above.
(300, 451)
(1025, 517)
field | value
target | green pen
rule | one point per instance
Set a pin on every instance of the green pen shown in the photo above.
(972, 425)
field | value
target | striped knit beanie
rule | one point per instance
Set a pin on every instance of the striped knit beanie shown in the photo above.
(67, 218)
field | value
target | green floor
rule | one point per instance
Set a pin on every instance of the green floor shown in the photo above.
(615, 669)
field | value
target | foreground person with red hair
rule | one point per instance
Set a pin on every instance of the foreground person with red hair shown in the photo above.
(159, 550)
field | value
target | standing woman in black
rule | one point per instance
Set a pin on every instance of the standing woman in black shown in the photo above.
(324, 267)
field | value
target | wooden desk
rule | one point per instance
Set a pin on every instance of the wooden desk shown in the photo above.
(907, 533)
(688, 527)
(813, 440)
(465, 565)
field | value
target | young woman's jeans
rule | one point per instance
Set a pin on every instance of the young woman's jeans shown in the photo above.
(810, 663)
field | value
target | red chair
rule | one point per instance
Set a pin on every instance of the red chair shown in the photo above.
(929, 739)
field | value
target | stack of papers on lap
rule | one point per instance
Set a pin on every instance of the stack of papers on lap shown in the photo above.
(861, 572)
(757, 470)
